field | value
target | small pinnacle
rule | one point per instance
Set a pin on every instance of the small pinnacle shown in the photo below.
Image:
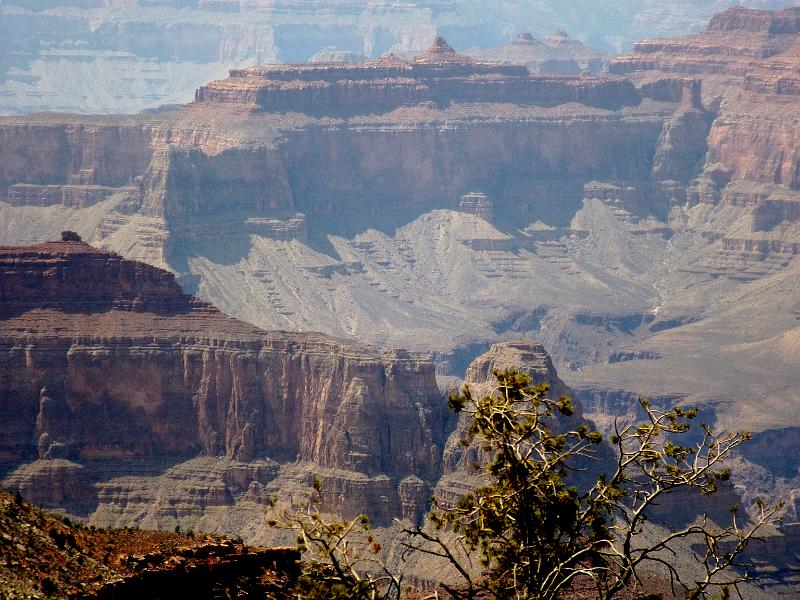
(440, 46)
(70, 236)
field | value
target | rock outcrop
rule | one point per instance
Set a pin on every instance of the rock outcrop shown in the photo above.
(748, 61)
(439, 75)
(525, 356)
(106, 359)
(50, 556)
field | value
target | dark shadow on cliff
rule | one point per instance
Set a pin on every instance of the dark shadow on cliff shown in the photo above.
(517, 204)
(354, 217)
(775, 450)
(222, 238)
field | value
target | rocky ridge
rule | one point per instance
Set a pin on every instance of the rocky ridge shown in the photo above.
(556, 53)
(440, 76)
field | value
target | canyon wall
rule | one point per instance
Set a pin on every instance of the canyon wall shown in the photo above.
(136, 370)
(429, 165)
(231, 165)
(633, 239)
(747, 61)
(127, 400)
(95, 153)
(176, 181)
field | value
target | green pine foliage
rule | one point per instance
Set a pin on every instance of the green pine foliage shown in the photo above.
(537, 535)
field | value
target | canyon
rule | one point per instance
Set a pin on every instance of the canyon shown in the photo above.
(139, 371)
(123, 56)
(128, 402)
(641, 224)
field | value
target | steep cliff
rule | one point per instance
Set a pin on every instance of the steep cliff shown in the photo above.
(748, 62)
(524, 356)
(128, 402)
(211, 190)
(107, 360)
(748, 58)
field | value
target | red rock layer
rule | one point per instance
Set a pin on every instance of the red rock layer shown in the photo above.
(74, 277)
(439, 75)
(749, 63)
(104, 358)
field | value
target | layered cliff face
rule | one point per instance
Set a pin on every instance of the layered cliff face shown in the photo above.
(107, 360)
(632, 236)
(743, 201)
(521, 355)
(233, 194)
(129, 55)
(748, 60)
(439, 76)
(127, 401)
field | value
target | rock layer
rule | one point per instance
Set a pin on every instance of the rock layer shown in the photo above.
(633, 240)
(439, 75)
(298, 153)
(129, 55)
(105, 359)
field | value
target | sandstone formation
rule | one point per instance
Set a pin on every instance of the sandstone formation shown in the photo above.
(748, 61)
(106, 359)
(522, 355)
(298, 153)
(440, 75)
(127, 401)
(123, 56)
(111, 396)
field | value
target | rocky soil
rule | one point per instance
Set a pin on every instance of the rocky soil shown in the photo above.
(44, 556)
